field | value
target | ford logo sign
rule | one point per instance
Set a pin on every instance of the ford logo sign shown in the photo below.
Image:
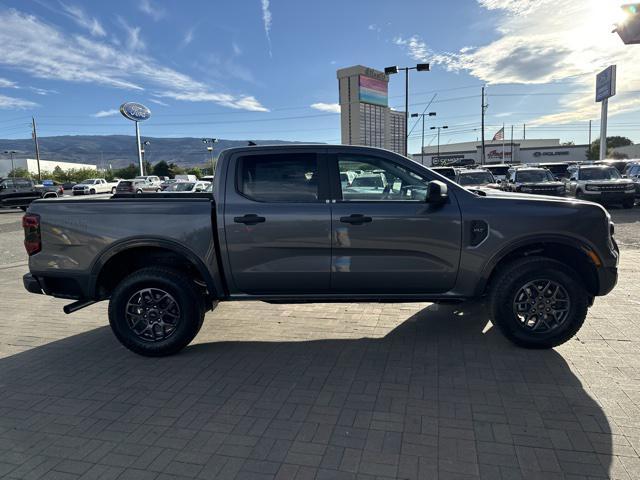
(135, 111)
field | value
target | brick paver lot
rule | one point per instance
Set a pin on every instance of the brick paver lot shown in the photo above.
(347, 391)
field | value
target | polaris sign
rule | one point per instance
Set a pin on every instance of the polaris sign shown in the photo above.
(135, 111)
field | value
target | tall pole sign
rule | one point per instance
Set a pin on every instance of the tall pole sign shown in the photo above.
(136, 112)
(605, 89)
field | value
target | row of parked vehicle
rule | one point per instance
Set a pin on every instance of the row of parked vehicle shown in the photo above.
(608, 182)
(20, 192)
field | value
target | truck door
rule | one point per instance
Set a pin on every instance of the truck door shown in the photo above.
(389, 240)
(277, 222)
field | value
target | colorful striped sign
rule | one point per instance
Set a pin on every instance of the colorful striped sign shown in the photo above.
(373, 91)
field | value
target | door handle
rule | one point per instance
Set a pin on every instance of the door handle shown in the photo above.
(356, 219)
(250, 219)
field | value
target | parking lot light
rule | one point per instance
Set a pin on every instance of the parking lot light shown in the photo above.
(420, 67)
(11, 153)
(438, 128)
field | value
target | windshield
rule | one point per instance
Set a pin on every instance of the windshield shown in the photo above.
(534, 176)
(499, 170)
(368, 182)
(90, 180)
(608, 173)
(475, 178)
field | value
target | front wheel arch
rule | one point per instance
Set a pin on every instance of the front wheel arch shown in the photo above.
(555, 249)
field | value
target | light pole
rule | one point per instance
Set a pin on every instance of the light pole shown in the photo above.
(11, 153)
(420, 67)
(143, 151)
(209, 142)
(438, 128)
(423, 114)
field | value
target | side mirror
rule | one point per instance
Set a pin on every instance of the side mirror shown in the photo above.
(498, 181)
(436, 192)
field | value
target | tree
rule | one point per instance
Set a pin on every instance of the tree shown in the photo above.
(19, 173)
(619, 156)
(195, 171)
(175, 170)
(612, 142)
(131, 171)
(161, 169)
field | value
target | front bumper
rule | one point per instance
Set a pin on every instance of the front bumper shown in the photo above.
(607, 280)
(608, 197)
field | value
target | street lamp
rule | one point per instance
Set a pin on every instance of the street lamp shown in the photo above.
(420, 67)
(143, 150)
(209, 142)
(423, 114)
(438, 128)
(13, 169)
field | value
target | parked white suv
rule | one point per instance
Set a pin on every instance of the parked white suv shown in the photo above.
(152, 179)
(92, 186)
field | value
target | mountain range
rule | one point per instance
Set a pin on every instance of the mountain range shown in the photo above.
(116, 151)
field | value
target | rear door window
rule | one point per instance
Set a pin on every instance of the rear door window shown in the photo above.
(279, 178)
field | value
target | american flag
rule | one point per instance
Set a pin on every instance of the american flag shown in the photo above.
(499, 134)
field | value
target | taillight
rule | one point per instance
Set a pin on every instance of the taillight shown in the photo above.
(32, 237)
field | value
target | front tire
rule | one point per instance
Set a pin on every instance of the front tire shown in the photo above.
(156, 311)
(92, 191)
(538, 302)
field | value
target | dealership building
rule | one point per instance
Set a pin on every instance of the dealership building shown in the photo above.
(518, 151)
(31, 164)
(365, 117)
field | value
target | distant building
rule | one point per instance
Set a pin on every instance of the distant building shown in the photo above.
(631, 151)
(366, 118)
(31, 164)
(522, 151)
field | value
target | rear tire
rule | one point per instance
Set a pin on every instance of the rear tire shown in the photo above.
(628, 203)
(24, 209)
(156, 311)
(113, 191)
(138, 192)
(537, 302)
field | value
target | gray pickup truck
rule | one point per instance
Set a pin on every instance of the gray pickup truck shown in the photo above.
(279, 226)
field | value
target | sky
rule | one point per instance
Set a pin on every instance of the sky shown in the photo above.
(266, 69)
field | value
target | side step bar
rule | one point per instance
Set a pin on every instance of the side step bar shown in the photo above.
(75, 306)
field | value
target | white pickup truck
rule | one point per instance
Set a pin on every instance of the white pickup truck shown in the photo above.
(92, 186)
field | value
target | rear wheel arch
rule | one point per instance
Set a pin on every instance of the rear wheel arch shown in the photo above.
(565, 251)
(121, 260)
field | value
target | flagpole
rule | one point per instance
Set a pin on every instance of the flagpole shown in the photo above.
(503, 143)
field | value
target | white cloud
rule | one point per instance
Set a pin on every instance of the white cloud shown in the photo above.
(326, 107)
(106, 113)
(266, 19)
(4, 83)
(134, 41)
(41, 50)
(188, 37)
(236, 49)
(158, 102)
(149, 8)
(79, 16)
(13, 103)
(534, 46)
